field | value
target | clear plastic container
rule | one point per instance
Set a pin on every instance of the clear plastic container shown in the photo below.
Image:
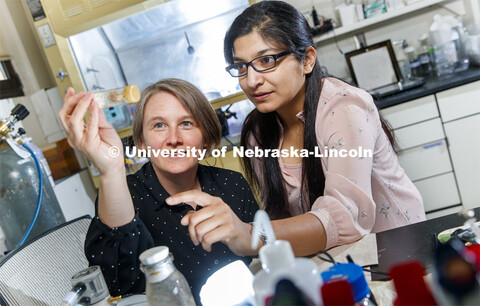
(96, 287)
(165, 284)
(444, 58)
(119, 116)
(447, 38)
(118, 96)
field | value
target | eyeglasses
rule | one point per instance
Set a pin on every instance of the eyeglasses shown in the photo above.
(259, 64)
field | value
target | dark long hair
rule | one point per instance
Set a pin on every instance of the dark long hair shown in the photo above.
(280, 23)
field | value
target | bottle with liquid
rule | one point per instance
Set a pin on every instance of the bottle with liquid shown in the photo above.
(118, 96)
(402, 60)
(414, 62)
(424, 56)
(165, 284)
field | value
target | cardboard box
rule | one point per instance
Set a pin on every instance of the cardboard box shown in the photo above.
(61, 159)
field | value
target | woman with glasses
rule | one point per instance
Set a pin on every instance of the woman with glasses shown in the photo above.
(131, 215)
(316, 202)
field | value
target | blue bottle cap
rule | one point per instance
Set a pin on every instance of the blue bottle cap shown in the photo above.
(353, 274)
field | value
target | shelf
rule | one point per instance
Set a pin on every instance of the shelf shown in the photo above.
(377, 19)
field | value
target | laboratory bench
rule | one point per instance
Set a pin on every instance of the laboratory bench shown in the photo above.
(432, 85)
(413, 242)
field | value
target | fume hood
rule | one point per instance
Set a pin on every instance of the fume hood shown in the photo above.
(180, 39)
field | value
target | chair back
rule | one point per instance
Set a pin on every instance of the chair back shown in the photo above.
(39, 272)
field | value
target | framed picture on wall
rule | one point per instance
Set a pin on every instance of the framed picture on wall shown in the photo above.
(374, 66)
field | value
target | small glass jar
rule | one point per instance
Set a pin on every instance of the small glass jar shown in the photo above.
(96, 286)
(118, 96)
(165, 284)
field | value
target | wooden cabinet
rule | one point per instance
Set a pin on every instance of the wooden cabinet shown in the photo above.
(69, 17)
(65, 18)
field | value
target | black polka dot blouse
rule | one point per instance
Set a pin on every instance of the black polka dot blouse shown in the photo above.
(117, 250)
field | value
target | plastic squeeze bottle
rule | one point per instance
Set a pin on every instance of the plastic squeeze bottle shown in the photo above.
(279, 262)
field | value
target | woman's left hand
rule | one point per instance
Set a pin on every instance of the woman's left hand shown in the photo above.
(214, 222)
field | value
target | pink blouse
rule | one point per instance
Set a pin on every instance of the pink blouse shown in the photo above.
(362, 194)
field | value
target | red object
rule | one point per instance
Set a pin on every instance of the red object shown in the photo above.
(337, 292)
(473, 253)
(410, 286)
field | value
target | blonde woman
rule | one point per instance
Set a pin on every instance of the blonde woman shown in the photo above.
(131, 214)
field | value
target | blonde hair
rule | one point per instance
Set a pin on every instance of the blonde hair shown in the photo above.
(193, 100)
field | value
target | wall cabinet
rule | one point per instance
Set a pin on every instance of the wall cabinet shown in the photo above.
(70, 17)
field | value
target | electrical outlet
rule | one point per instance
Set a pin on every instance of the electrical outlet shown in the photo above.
(46, 34)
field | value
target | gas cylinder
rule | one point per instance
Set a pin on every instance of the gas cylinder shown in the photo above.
(19, 189)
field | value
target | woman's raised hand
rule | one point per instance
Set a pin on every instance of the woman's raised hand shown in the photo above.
(97, 139)
(214, 222)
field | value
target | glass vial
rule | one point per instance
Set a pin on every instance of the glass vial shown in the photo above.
(165, 284)
(118, 96)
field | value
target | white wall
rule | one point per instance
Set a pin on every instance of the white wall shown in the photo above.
(22, 47)
(409, 27)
